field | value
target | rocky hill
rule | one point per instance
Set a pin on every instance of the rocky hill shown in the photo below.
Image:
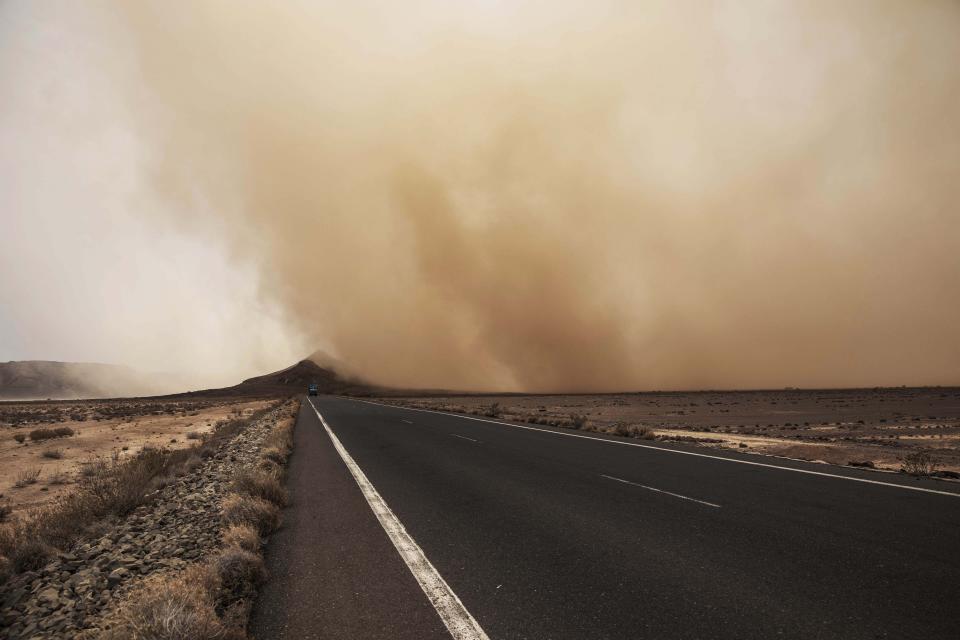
(296, 379)
(42, 379)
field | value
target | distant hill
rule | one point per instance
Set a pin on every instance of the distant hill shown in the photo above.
(42, 379)
(296, 379)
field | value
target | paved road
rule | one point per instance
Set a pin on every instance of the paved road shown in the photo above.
(547, 536)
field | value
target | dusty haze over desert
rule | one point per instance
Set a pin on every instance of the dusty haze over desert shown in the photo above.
(530, 196)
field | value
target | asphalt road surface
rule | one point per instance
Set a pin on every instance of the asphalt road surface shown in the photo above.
(549, 533)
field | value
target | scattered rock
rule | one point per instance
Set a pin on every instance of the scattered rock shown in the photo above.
(71, 596)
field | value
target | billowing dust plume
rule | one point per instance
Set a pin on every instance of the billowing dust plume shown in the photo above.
(572, 195)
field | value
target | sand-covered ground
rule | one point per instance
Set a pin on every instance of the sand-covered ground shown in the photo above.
(44, 468)
(880, 427)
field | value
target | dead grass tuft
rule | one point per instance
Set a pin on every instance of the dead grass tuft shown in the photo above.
(24, 555)
(240, 571)
(255, 512)
(274, 455)
(632, 431)
(26, 477)
(261, 484)
(58, 477)
(920, 463)
(172, 607)
(46, 434)
(242, 536)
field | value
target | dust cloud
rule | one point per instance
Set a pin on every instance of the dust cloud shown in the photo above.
(566, 196)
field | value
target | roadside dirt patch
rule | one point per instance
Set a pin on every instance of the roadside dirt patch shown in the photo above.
(864, 427)
(101, 429)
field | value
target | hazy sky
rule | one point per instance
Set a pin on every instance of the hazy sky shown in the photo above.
(481, 194)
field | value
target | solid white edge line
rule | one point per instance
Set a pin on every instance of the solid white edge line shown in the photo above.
(665, 450)
(669, 493)
(459, 622)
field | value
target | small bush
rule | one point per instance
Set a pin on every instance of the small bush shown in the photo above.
(46, 434)
(26, 477)
(55, 454)
(577, 421)
(920, 463)
(256, 512)
(58, 477)
(5, 511)
(275, 455)
(261, 484)
(243, 536)
(270, 466)
(240, 571)
(632, 431)
(493, 411)
(30, 555)
(20, 437)
(171, 607)
(193, 435)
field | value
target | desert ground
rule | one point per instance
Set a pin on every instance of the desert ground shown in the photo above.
(877, 428)
(34, 468)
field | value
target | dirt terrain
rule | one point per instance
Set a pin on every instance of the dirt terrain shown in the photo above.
(34, 469)
(862, 427)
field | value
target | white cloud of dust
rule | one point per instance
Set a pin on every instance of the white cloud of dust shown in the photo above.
(518, 195)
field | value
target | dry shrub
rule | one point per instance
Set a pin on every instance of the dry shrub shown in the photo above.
(20, 437)
(25, 477)
(256, 512)
(58, 477)
(27, 554)
(242, 536)
(106, 488)
(193, 435)
(277, 446)
(632, 431)
(119, 487)
(171, 607)
(239, 571)
(274, 455)
(261, 484)
(919, 463)
(577, 421)
(646, 434)
(270, 466)
(46, 434)
(54, 454)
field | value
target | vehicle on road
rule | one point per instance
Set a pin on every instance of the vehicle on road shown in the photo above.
(313, 389)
